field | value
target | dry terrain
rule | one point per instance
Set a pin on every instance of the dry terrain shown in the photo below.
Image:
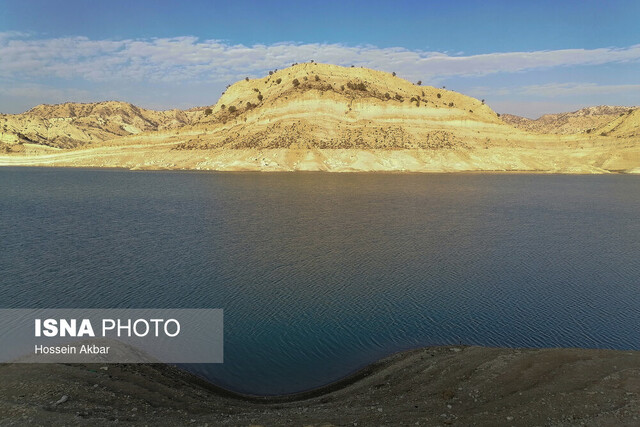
(438, 386)
(585, 120)
(324, 117)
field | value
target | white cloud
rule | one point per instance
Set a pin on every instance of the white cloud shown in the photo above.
(183, 59)
(555, 90)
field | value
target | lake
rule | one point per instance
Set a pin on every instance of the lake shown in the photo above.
(320, 274)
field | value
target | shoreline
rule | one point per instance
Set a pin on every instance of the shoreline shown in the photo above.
(449, 385)
(590, 160)
(635, 171)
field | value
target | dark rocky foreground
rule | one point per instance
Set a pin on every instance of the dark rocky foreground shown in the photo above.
(431, 386)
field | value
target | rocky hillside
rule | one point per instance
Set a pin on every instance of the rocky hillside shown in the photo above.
(624, 126)
(324, 106)
(72, 124)
(585, 120)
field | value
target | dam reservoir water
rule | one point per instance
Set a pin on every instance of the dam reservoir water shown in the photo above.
(320, 274)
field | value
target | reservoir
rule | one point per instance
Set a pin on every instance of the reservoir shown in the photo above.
(321, 274)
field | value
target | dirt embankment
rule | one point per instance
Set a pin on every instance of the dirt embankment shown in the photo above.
(432, 386)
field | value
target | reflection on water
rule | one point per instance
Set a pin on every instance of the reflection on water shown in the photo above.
(320, 274)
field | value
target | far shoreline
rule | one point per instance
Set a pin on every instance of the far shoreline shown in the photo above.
(310, 172)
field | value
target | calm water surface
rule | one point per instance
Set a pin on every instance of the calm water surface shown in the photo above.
(320, 274)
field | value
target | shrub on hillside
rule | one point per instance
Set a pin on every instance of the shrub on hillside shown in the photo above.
(357, 86)
(296, 83)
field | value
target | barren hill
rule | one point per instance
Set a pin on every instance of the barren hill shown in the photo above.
(624, 126)
(327, 106)
(581, 121)
(324, 117)
(70, 124)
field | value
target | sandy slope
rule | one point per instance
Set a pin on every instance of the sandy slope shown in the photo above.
(433, 386)
(162, 155)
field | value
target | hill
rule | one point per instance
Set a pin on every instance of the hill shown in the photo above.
(581, 121)
(71, 125)
(331, 107)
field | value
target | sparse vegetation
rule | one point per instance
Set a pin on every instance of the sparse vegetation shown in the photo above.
(222, 107)
(232, 109)
(317, 78)
(419, 83)
(387, 96)
(208, 112)
(260, 97)
(399, 98)
(246, 78)
(270, 73)
(296, 82)
(279, 81)
(439, 95)
(357, 86)
(451, 104)
(393, 74)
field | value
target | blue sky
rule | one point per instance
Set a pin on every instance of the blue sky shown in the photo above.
(526, 58)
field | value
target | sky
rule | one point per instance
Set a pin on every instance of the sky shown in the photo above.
(526, 58)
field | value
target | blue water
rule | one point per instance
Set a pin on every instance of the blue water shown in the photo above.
(320, 274)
